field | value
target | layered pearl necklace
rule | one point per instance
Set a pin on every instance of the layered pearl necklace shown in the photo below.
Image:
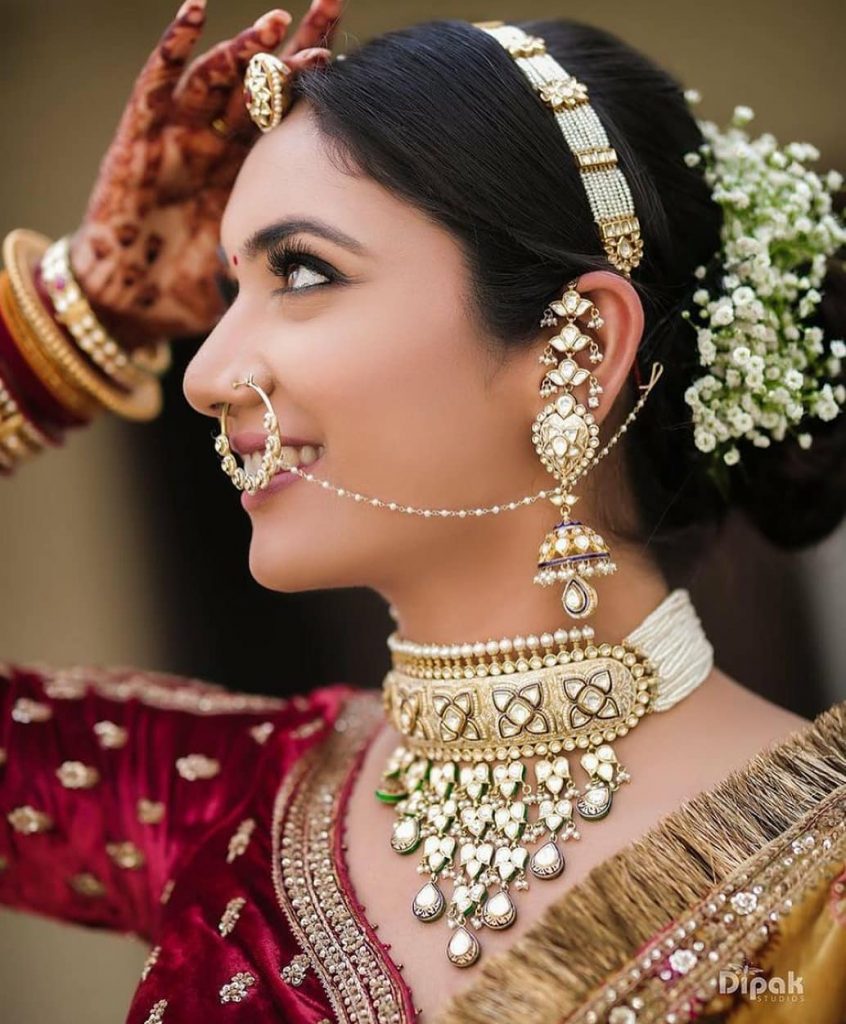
(469, 714)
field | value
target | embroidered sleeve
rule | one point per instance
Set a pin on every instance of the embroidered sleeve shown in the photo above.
(109, 776)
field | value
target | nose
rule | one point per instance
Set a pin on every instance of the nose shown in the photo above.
(209, 382)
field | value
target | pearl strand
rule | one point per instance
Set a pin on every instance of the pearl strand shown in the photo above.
(529, 499)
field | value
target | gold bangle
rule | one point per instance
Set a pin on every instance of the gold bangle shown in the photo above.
(22, 251)
(155, 358)
(72, 308)
(77, 402)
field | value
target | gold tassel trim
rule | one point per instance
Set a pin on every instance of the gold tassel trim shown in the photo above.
(597, 926)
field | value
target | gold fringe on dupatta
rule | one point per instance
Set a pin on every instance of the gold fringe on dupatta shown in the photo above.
(598, 925)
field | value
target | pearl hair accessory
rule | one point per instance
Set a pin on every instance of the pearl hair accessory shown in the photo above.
(607, 189)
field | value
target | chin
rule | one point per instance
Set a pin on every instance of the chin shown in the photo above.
(292, 567)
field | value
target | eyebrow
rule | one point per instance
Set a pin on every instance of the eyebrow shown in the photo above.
(263, 239)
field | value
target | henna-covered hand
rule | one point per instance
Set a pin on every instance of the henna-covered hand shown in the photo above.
(146, 252)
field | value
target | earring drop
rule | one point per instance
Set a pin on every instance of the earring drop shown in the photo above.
(566, 439)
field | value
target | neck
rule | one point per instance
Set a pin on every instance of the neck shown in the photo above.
(461, 601)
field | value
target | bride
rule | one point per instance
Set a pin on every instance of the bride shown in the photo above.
(501, 279)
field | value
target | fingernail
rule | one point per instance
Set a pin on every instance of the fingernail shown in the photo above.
(191, 5)
(272, 16)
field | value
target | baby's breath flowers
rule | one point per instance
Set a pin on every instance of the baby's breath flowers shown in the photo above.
(766, 368)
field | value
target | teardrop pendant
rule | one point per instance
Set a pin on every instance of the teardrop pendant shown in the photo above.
(579, 598)
(429, 903)
(499, 911)
(548, 861)
(406, 835)
(463, 948)
(595, 803)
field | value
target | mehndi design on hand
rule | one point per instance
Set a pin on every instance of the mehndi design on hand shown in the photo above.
(146, 253)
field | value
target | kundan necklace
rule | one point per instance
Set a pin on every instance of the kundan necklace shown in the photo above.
(470, 712)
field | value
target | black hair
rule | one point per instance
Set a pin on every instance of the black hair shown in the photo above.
(440, 115)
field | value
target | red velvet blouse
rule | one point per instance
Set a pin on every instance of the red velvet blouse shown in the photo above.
(149, 803)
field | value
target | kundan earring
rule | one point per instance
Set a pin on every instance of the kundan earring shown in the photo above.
(566, 438)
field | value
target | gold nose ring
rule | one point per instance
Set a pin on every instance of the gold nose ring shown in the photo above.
(244, 481)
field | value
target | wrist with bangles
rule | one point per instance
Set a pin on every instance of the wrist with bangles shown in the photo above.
(59, 366)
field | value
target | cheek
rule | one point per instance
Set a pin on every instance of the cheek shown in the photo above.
(400, 388)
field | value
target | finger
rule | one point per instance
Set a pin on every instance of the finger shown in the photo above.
(209, 79)
(317, 27)
(235, 115)
(154, 87)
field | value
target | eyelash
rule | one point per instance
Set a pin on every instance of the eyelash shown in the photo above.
(295, 253)
(280, 260)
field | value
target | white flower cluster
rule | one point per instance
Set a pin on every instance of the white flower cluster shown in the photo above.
(766, 369)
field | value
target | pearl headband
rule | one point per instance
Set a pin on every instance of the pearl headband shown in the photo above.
(607, 189)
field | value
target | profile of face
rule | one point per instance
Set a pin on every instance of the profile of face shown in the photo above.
(366, 337)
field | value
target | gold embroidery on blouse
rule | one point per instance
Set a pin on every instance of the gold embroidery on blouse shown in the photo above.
(294, 971)
(26, 711)
(76, 775)
(230, 915)
(197, 766)
(156, 1015)
(150, 962)
(126, 855)
(156, 689)
(27, 820)
(237, 988)
(87, 884)
(679, 973)
(149, 812)
(261, 732)
(110, 736)
(240, 839)
(355, 974)
(167, 889)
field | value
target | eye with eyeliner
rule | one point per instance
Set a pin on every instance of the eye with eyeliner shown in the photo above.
(283, 257)
(281, 260)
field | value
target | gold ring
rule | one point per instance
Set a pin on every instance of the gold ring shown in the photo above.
(266, 89)
(220, 127)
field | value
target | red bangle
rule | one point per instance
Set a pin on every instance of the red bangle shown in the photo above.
(36, 402)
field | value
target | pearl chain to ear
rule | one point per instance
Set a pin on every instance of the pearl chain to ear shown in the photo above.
(529, 499)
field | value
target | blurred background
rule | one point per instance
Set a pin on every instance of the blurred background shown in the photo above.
(129, 545)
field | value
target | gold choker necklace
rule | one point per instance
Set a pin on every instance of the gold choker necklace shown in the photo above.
(470, 712)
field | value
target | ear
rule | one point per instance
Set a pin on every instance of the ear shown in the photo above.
(619, 337)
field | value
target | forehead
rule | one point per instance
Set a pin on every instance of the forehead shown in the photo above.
(289, 172)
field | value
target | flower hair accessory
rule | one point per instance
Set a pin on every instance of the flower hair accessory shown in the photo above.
(766, 367)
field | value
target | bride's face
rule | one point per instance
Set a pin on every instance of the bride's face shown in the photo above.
(373, 352)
